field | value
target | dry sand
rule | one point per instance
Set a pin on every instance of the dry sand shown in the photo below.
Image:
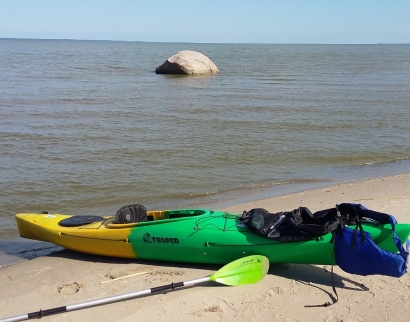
(66, 277)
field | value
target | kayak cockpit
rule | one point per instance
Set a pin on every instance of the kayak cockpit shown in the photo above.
(132, 216)
(161, 216)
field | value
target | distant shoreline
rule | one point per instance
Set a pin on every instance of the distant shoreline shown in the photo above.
(184, 42)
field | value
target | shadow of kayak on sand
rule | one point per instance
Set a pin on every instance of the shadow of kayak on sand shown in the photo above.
(315, 274)
(17, 249)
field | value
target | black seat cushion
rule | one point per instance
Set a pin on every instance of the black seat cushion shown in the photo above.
(131, 214)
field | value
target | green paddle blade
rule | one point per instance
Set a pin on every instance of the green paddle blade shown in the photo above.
(247, 270)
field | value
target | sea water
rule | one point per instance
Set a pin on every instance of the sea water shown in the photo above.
(87, 126)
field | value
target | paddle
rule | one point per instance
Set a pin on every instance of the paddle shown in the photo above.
(247, 270)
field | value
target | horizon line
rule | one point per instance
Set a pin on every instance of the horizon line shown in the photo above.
(188, 42)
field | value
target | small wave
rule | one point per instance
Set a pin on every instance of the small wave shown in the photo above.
(224, 194)
(390, 161)
(119, 67)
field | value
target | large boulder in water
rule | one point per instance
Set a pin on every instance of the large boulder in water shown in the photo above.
(188, 62)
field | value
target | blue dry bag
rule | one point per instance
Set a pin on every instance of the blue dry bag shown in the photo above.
(356, 253)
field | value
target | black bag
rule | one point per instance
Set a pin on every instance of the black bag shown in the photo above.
(289, 226)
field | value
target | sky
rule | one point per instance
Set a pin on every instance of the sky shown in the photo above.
(210, 21)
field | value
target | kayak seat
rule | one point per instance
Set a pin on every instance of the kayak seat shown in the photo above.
(131, 214)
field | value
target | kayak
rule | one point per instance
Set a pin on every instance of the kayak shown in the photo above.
(185, 235)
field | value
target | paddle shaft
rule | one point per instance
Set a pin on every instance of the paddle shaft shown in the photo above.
(107, 300)
(247, 270)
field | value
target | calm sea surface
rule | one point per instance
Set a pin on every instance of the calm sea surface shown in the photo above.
(87, 126)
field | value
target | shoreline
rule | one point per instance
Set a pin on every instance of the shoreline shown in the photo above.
(375, 195)
(339, 176)
(17, 249)
(221, 200)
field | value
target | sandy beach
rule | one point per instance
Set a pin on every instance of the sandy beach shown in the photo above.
(66, 277)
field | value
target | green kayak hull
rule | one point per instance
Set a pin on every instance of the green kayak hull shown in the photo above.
(188, 235)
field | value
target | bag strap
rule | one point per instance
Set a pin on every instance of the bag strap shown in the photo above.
(358, 220)
(339, 217)
(334, 300)
(340, 225)
(404, 252)
(360, 211)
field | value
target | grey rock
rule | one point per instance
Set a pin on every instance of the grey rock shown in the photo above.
(187, 62)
